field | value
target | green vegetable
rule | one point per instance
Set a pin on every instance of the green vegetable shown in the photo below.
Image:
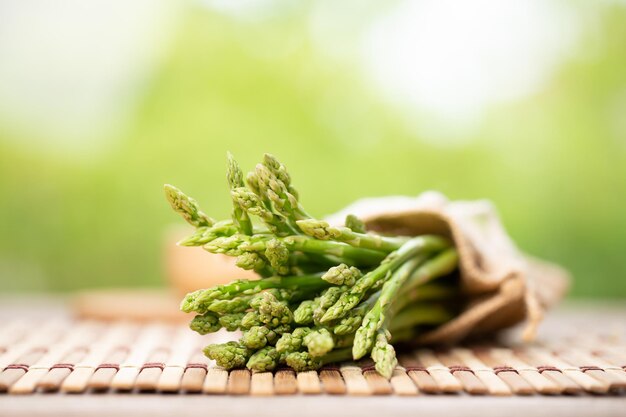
(264, 359)
(384, 355)
(325, 293)
(413, 248)
(235, 180)
(342, 275)
(228, 355)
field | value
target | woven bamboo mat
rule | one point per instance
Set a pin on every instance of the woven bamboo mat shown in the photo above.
(61, 355)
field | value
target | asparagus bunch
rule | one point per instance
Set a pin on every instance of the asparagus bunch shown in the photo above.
(325, 293)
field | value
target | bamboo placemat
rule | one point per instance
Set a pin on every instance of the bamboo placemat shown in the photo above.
(62, 355)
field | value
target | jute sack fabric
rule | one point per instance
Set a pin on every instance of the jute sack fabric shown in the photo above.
(503, 286)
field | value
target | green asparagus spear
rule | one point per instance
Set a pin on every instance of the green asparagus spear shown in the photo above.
(228, 355)
(187, 207)
(235, 180)
(292, 342)
(263, 360)
(420, 314)
(231, 322)
(257, 337)
(319, 342)
(303, 315)
(206, 323)
(280, 171)
(273, 312)
(384, 355)
(320, 229)
(342, 275)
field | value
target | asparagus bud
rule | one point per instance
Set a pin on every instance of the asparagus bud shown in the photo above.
(319, 342)
(292, 342)
(250, 261)
(350, 323)
(355, 224)
(342, 275)
(253, 184)
(384, 355)
(303, 361)
(250, 319)
(328, 299)
(278, 169)
(206, 323)
(228, 355)
(235, 180)
(187, 207)
(263, 360)
(273, 312)
(304, 313)
(319, 229)
(228, 245)
(234, 175)
(231, 322)
(278, 255)
(256, 337)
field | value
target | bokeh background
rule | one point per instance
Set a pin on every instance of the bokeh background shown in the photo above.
(101, 102)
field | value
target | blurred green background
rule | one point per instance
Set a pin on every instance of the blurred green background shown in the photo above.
(100, 105)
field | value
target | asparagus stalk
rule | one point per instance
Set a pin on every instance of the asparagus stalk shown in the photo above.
(375, 318)
(414, 247)
(420, 314)
(428, 292)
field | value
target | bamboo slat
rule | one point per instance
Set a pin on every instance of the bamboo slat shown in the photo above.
(85, 356)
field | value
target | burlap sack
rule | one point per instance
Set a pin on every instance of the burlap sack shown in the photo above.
(503, 286)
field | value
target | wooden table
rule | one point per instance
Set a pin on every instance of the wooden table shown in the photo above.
(582, 316)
